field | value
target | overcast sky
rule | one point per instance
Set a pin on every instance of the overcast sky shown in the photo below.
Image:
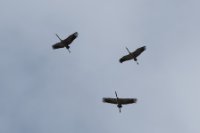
(51, 91)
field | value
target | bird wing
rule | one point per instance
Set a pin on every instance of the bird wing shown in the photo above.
(127, 100)
(110, 100)
(70, 38)
(138, 51)
(58, 45)
(126, 57)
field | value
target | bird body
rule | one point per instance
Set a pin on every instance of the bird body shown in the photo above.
(119, 101)
(132, 55)
(66, 42)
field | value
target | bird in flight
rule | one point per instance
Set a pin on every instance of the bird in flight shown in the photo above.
(132, 55)
(119, 101)
(66, 42)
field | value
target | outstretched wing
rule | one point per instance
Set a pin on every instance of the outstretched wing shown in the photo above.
(125, 58)
(127, 100)
(110, 100)
(71, 38)
(58, 45)
(138, 51)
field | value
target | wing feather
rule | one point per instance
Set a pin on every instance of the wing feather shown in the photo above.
(125, 58)
(110, 100)
(58, 45)
(127, 100)
(71, 38)
(138, 51)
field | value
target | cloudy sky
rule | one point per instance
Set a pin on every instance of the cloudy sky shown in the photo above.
(51, 91)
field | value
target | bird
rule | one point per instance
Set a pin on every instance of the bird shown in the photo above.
(132, 55)
(119, 101)
(66, 42)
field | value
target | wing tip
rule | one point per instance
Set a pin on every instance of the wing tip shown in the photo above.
(144, 47)
(121, 60)
(135, 100)
(54, 47)
(103, 100)
(75, 34)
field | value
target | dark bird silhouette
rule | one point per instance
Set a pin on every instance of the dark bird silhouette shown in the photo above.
(66, 42)
(132, 55)
(119, 101)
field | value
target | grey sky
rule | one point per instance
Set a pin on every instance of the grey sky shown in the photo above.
(51, 91)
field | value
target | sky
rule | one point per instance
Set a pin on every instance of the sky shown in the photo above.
(51, 91)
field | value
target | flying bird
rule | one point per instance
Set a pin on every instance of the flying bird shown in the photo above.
(66, 42)
(132, 55)
(119, 101)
